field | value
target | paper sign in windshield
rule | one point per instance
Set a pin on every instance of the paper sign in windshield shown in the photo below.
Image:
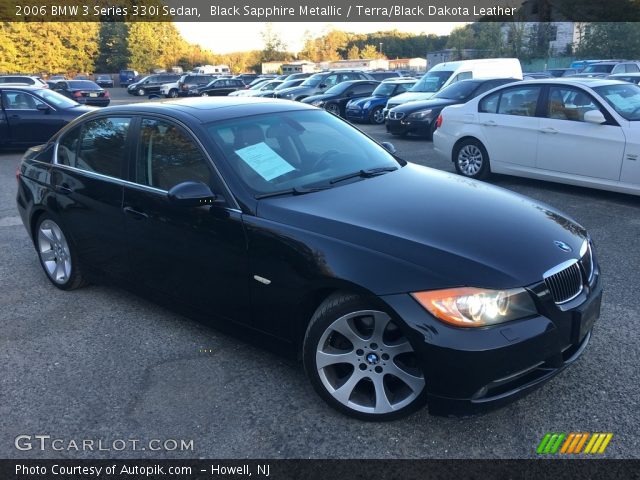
(267, 163)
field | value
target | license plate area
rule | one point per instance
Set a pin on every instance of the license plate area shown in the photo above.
(93, 94)
(585, 317)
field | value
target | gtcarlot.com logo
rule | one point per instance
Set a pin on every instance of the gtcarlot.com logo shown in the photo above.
(46, 442)
(573, 443)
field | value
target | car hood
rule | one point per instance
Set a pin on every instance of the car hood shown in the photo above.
(411, 97)
(424, 104)
(460, 231)
(359, 102)
(296, 90)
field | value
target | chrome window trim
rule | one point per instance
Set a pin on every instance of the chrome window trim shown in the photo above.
(235, 207)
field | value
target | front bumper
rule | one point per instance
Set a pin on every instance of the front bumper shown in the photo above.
(356, 114)
(475, 369)
(406, 125)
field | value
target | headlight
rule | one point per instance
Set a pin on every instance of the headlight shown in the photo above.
(421, 114)
(366, 105)
(317, 103)
(477, 307)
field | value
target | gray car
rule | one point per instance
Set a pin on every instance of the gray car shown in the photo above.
(321, 82)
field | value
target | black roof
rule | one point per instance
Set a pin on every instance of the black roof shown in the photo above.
(208, 109)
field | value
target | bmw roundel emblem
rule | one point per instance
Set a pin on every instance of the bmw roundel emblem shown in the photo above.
(563, 246)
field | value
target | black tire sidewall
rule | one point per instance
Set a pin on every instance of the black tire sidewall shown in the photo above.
(331, 309)
(484, 170)
(76, 279)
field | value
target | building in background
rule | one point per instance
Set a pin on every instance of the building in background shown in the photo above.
(416, 64)
(301, 66)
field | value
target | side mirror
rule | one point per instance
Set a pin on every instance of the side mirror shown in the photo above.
(389, 147)
(43, 108)
(322, 85)
(191, 194)
(594, 116)
(349, 94)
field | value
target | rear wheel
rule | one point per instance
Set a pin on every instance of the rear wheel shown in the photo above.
(360, 362)
(471, 159)
(57, 256)
(377, 116)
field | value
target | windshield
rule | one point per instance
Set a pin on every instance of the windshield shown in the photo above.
(312, 81)
(56, 99)
(431, 82)
(458, 91)
(270, 85)
(288, 83)
(278, 151)
(338, 89)
(598, 68)
(625, 99)
(384, 90)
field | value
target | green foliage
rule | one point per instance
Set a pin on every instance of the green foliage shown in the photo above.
(610, 40)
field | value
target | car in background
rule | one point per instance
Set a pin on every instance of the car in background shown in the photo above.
(579, 131)
(184, 84)
(381, 75)
(444, 74)
(632, 66)
(597, 70)
(83, 91)
(536, 75)
(335, 99)
(626, 77)
(319, 83)
(420, 117)
(298, 75)
(82, 76)
(262, 88)
(370, 109)
(285, 84)
(151, 84)
(247, 78)
(105, 81)
(127, 77)
(395, 284)
(561, 72)
(57, 78)
(23, 80)
(31, 115)
(218, 87)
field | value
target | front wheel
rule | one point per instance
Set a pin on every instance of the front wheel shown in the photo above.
(173, 93)
(57, 257)
(333, 108)
(359, 361)
(471, 159)
(377, 116)
(141, 92)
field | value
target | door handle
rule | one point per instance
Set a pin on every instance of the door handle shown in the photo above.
(490, 123)
(15, 116)
(63, 188)
(135, 213)
(548, 130)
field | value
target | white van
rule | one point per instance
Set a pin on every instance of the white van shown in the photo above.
(444, 74)
(211, 69)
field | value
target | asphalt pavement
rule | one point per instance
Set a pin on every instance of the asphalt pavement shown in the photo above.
(103, 364)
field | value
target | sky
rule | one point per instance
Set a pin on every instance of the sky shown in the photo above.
(241, 36)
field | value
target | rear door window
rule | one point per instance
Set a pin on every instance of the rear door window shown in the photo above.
(102, 147)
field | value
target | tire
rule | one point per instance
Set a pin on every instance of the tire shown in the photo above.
(204, 94)
(57, 255)
(140, 92)
(432, 129)
(376, 116)
(471, 159)
(173, 93)
(354, 354)
(333, 108)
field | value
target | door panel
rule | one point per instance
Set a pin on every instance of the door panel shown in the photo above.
(27, 124)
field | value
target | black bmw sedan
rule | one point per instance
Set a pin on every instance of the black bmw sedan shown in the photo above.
(420, 117)
(84, 91)
(396, 284)
(335, 99)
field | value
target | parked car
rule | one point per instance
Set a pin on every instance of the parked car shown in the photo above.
(627, 67)
(248, 90)
(23, 80)
(247, 78)
(283, 85)
(298, 75)
(370, 109)
(597, 70)
(185, 83)
(57, 78)
(320, 82)
(381, 75)
(262, 88)
(576, 131)
(626, 77)
(151, 84)
(561, 72)
(82, 77)
(105, 81)
(84, 91)
(444, 74)
(536, 75)
(420, 117)
(319, 242)
(218, 87)
(31, 115)
(335, 99)
(127, 77)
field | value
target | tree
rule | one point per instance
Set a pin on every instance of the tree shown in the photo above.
(353, 53)
(113, 47)
(610, 40)
(274, 47)
(370, 51)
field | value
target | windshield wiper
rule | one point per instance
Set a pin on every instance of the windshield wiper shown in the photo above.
(290, 191)
(371, 172)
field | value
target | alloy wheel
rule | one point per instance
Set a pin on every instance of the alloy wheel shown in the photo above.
(470, 160)
(54, 252)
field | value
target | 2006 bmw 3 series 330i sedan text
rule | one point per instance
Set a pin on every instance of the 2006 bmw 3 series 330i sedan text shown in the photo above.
(396, 284)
